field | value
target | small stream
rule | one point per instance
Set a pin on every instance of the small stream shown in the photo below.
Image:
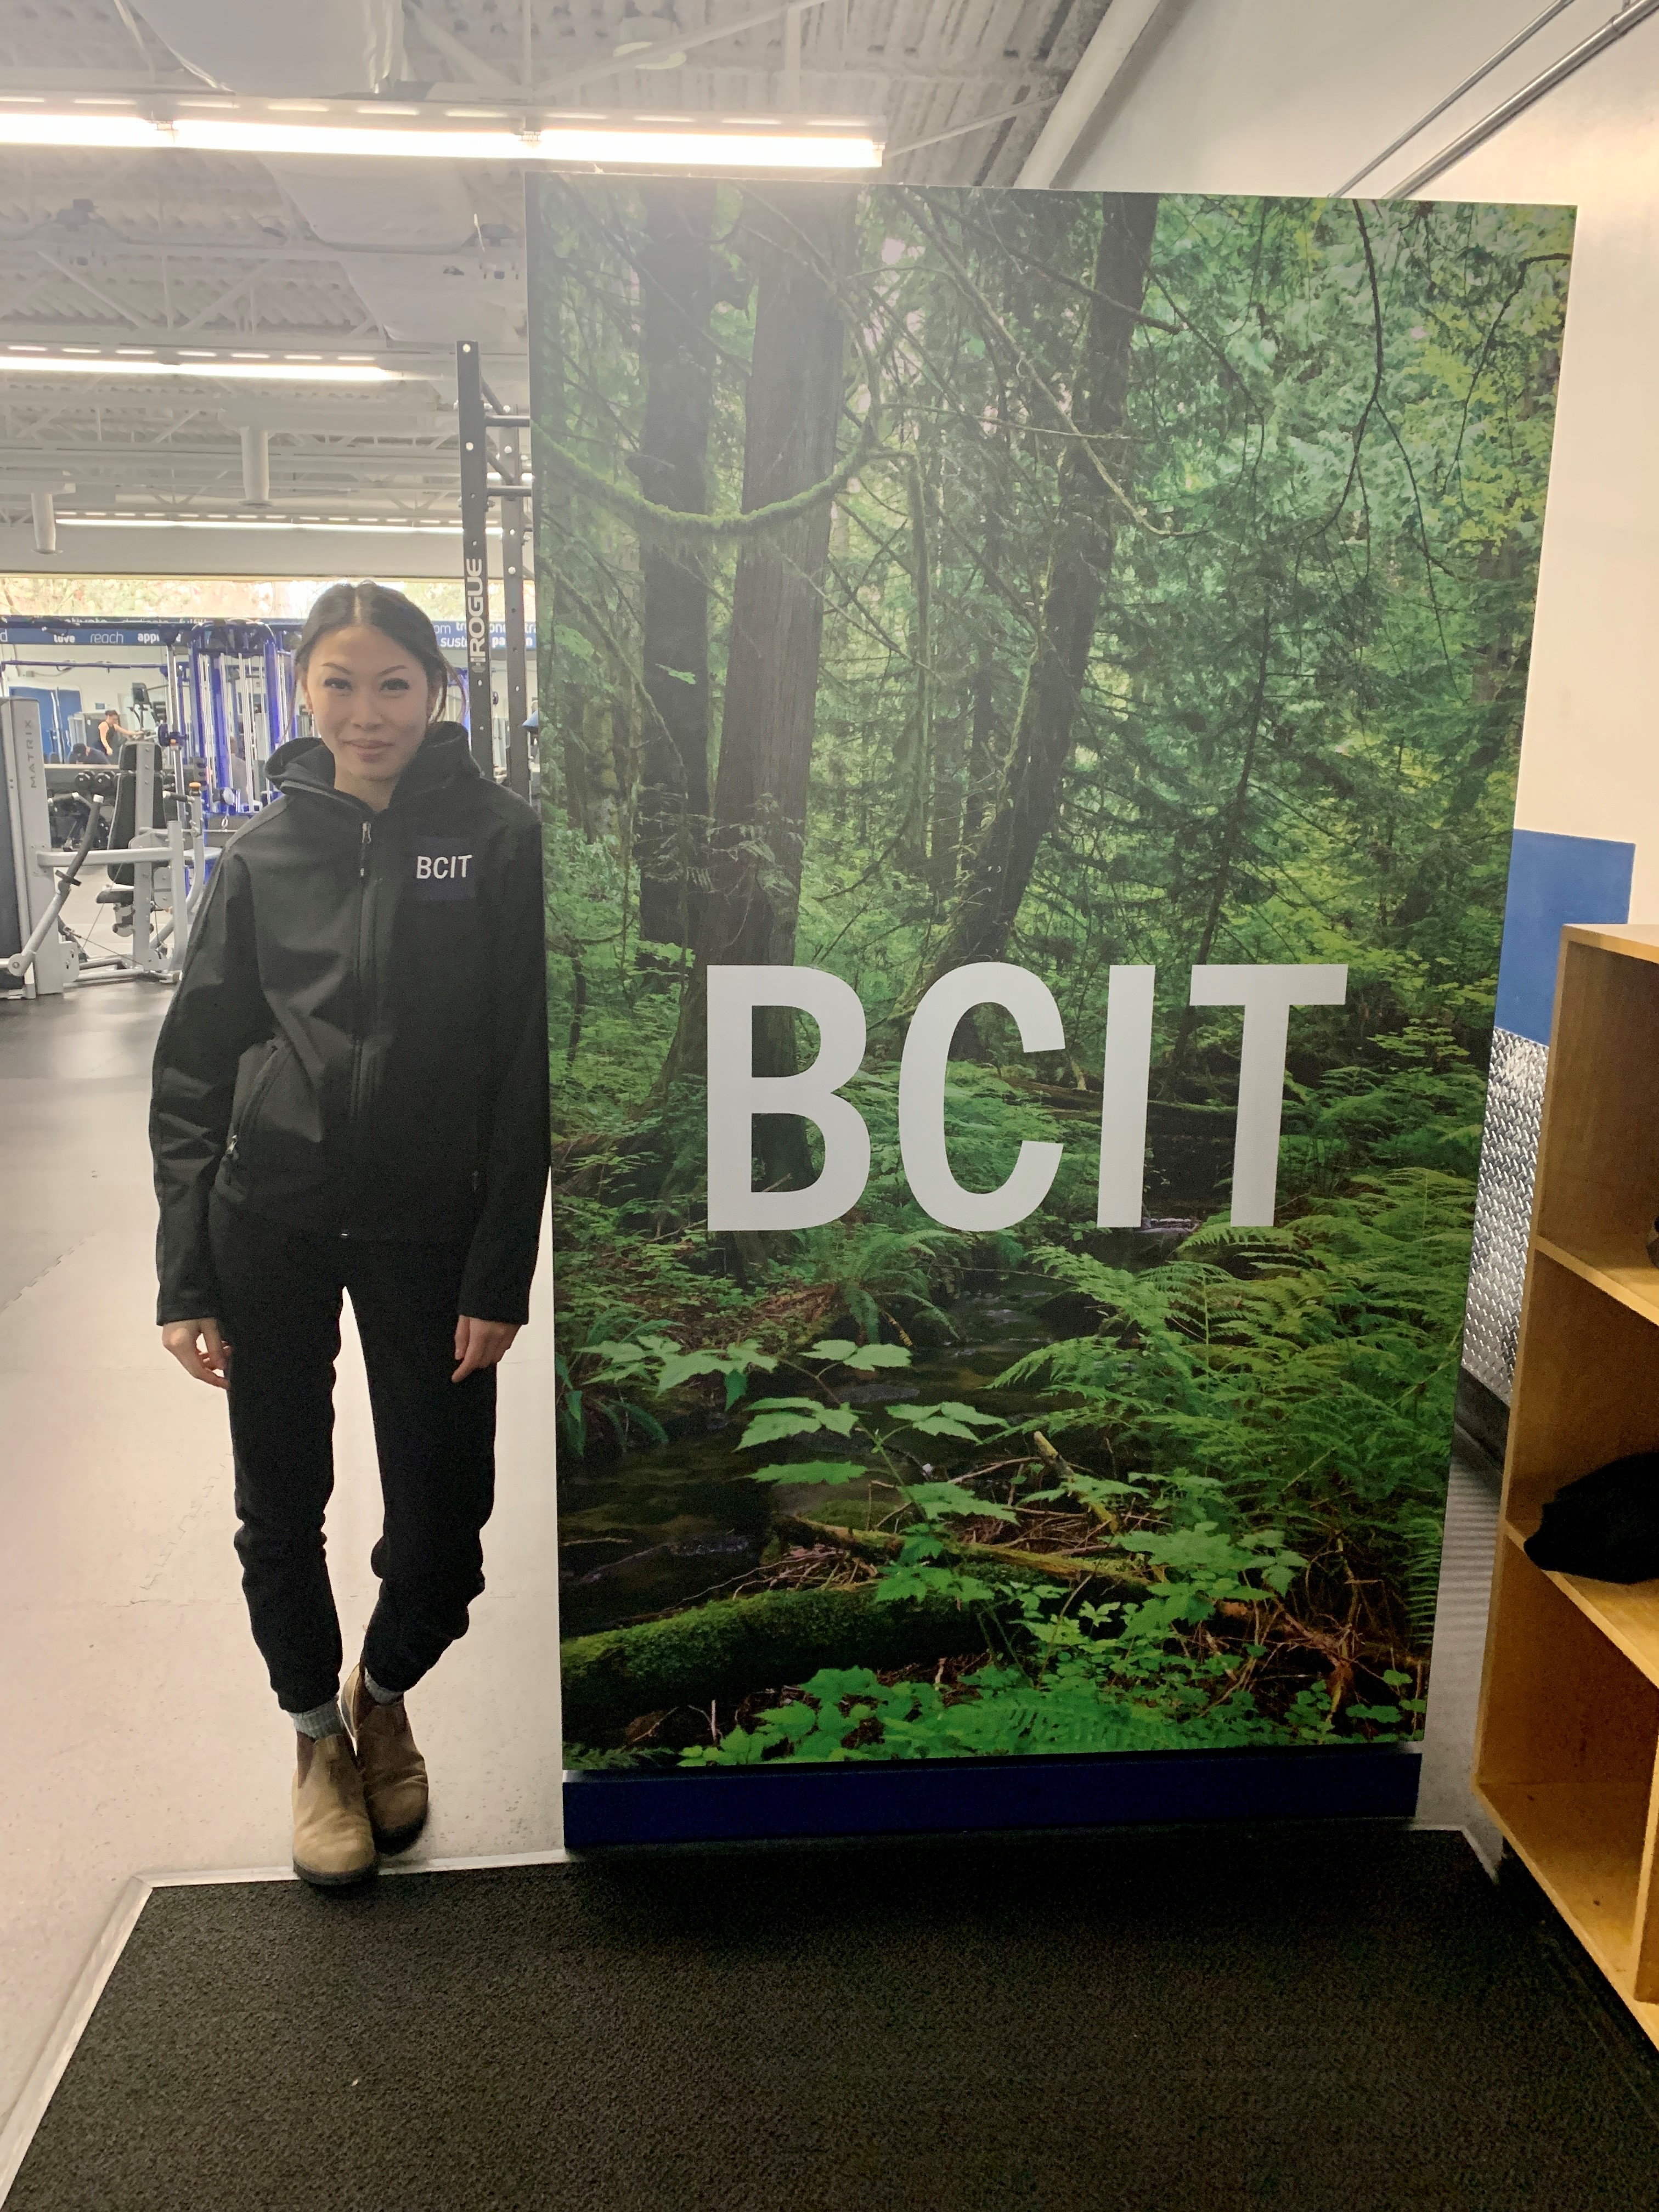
(670, 1524)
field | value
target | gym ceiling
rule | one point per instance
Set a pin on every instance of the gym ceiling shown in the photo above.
(221, 287)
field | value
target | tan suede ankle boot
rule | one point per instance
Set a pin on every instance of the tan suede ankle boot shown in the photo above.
(393, 1771)
(333, 1843)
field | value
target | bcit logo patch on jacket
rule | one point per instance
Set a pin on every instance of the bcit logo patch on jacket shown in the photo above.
(444, 868)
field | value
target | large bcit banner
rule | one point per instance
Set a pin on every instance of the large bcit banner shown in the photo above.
(1031, 690)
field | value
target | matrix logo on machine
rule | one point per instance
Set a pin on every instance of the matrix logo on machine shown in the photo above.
(737, 1094)
(443, 871)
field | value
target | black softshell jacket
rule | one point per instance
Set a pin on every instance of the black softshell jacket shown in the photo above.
(358, 1043)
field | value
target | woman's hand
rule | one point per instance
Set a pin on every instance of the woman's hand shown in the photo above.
(480, 1344)
(201, 1350)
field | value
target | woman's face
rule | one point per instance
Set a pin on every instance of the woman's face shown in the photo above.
(371, 704)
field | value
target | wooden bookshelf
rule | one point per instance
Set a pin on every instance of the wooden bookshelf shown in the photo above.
(1567, 1752)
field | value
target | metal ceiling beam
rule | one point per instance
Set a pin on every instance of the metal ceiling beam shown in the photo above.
(472, 66)
(435, 99)
(202, 550)
(1629, 15)
(88, 84)
(94, 239)
(962, 129)
(215, 307)
(344, 419)
(124, 465)
(73, 276)
(683, 42)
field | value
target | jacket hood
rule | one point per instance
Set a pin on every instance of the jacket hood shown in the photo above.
(305, 764)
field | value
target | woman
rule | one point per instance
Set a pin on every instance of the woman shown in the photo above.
(351, 1095)
(110, 735)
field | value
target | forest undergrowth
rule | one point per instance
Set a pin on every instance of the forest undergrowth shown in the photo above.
(1213, 1517)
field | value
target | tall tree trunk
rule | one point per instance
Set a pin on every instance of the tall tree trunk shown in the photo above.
(981, 734)
(796, 238)
(559, 746)
(913, 760)
(1232, 831)
(676, 281)
(1498, 692)
(1085, 530)
(945, 833)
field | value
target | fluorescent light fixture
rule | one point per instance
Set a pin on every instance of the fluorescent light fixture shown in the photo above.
(265, 372)
(605, 145)
(261, 523)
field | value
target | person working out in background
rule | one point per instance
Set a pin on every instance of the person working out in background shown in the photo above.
(109, 737)
(351, 1095)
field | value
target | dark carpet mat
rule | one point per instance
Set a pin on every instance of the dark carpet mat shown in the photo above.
(1303, 2018)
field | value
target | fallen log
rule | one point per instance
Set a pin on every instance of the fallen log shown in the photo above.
(734, 1645)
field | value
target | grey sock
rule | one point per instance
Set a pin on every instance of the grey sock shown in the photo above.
(321, 1720)
(380, 1696)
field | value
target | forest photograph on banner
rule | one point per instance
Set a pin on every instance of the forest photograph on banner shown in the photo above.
(1031, 689)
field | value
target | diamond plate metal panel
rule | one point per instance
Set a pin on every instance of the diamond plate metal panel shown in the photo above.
(1503, 1208)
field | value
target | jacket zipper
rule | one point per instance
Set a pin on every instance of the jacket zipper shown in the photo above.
(359, 1034)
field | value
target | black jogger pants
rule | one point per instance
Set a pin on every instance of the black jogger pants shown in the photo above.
(280, 1295)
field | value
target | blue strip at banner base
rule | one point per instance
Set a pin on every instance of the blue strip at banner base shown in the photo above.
(1364, 1782)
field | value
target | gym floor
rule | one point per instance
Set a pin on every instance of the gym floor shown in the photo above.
(137, 1732)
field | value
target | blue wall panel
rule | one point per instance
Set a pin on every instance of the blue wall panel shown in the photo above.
(1553, 880)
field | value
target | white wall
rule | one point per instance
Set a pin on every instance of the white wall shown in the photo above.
(1589, 762)
(1294, 95)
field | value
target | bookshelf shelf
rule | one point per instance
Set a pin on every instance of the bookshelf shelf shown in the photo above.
(1568, 1743)
(1623, 1270)
(1585, 1848)
(1627, 1613)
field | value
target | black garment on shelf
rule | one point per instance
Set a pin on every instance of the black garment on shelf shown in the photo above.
(358, 1044)
(1606, 1525)
(280, 1309)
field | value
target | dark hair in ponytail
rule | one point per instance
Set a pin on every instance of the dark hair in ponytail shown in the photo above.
(369, 606)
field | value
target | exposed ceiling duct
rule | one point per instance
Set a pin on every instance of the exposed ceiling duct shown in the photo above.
(314, 46)
(256, 465)
(413, 300)
(1075, 115)
(327, 48)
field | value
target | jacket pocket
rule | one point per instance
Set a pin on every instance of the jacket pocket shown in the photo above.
(246, 1112)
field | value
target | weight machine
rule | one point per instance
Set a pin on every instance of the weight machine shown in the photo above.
(155, 860)
(232, 700)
